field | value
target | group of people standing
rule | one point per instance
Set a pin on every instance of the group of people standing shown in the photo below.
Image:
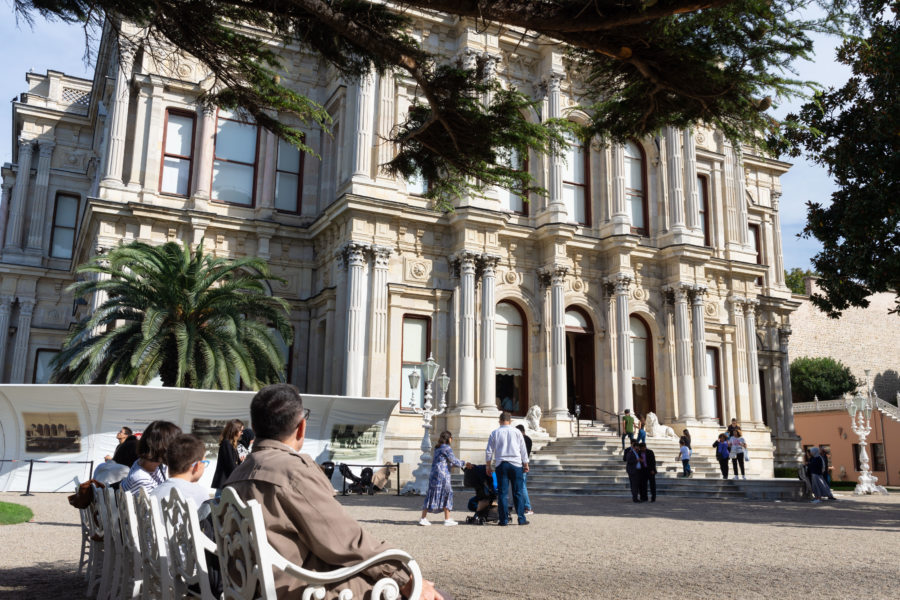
(731, 446)
(815, 471)
(506, 456)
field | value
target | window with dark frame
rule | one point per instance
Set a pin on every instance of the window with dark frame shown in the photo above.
(42, 369)
(756, 243)
(642, 362)
(636, 187)
(876, 457)
(703, 199)
(415, 348)
(234, 163)
(417, 185)
(511, 363)
(509, 199)
(713, 386)
(65, 221)
(288, 178)
(178, 153)
(576, 182)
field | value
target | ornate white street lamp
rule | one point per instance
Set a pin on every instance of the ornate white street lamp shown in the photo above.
(860, 408)
(423, 471)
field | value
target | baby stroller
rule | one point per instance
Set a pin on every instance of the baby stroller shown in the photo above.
(482, 503)
(358, 485)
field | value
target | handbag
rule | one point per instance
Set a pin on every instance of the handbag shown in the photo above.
(746, 455)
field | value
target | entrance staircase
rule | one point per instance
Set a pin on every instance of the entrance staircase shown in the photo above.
(592, 464)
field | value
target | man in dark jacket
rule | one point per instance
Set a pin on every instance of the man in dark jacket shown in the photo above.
(648, 472)
(633, 468)
(126, 451)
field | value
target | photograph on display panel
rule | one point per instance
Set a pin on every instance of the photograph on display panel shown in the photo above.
(52, 432)
(354, 443)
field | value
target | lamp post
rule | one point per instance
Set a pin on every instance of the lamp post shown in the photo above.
(423, 471)
(860, 409)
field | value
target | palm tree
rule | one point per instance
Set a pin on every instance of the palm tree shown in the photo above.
(195, 320)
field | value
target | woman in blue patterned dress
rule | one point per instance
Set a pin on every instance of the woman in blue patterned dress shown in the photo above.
(440, 494)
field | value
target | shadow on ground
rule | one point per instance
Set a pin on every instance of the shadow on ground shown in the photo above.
(43, 580)
(838, 514)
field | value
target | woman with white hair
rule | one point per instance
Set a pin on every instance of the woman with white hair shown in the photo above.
(817, 474)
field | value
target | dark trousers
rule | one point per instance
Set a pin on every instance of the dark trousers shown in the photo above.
(723, 465)
(508, 473)
(634, 480)
(648, 479)
(630, 436)
(738, 460)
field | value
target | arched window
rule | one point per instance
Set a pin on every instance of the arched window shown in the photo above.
(576, 183)
(642, 367)
(510, 364)
(636, 187)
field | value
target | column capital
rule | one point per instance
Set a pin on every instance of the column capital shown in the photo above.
(553, 82)
(620, 282)
(491, 61)
(553, 275)
(463, 261)
(381, 255)
(6, 303)
(469, 58)
(737, 303)
(487, 263)
(784, 336)
(26, 144)
(697, 293)
(353, 254)
(26, 306)
(45, 148)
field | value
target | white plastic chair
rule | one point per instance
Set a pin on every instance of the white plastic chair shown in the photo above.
(107, 574)
(187, 547)
(84, 557)
(97, 539)
(131, 554)
(156, 582)
(248, 561)
(116, 545)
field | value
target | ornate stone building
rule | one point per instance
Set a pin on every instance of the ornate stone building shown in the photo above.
(650, 277)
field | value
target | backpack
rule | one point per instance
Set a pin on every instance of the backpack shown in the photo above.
(722, 450)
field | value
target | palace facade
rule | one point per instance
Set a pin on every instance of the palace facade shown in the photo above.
(650, 277)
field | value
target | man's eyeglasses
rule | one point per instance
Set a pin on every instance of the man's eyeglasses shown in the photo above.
(205, 463)
(306, 414)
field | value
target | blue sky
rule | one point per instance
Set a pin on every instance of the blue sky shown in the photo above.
(60, 47)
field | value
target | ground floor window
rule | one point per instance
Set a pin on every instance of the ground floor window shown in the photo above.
(714, 387)
(642, 367)
(415, 349)
(876, 457)
(42, 370)
(510, 365)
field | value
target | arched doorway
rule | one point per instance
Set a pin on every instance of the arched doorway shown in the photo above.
(580, 365)
(642, 367)
(510, 364)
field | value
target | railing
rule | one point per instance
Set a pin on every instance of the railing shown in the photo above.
(344, 491)
(58, 462)
(841, 404)
(594, 410)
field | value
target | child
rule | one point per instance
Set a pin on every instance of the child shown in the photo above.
(186, 466)
(440, 495)
(685, 456)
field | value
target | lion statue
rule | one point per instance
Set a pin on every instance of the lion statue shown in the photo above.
(656, 429)
(533, 419)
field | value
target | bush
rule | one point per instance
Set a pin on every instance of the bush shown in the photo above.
(823, 377)
(789, 472)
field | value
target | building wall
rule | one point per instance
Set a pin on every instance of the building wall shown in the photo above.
(364, 251)
(833, 427)
(863, 338)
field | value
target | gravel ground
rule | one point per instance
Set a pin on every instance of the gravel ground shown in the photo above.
(584, 547)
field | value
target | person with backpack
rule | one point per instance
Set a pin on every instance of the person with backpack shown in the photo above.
(723, 453)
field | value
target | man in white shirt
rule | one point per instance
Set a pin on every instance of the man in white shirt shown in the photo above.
(506, 454)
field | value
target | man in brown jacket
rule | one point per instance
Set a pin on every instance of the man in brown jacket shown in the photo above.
(304, 522)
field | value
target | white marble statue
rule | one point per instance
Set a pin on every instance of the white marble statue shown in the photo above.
(533, 419)
(656, 429)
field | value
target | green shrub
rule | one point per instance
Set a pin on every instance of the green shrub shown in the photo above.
(786, 472)
(823, 377)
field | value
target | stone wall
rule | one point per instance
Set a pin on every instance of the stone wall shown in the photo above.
(862, 339)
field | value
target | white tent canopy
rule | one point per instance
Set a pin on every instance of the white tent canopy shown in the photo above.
(83, 420)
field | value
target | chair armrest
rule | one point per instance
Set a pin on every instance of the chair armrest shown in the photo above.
(317, 578)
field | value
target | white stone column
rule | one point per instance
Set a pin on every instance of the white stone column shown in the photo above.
(205, 149)
(487, 400)
(354, 257)
(776, 243)
(5, 201)
(742, 407)
(156, 104)
(16, 224)
(732, 236)
(378, 337)
(691, 191)
(559, 401)
(683, 372)
(787, 403)
(141, 141)
(624, 364)
(741, 196)
(556, 205)
(118, 121)
(363, 92)
(706, 407)
(385, 149)
(23, 335)
(465, 263)
(621, 218)
(753, 361)
(675, 179)
(5, 307)
(34, 241)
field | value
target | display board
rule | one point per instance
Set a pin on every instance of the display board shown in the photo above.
(72, 423)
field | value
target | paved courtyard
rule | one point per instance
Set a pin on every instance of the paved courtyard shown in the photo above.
(576, 547)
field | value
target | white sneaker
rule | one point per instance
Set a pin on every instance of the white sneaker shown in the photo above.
(743, 477)
(529, 512)
(424, 522)
(449, 523)
(816, 501)
(735, 476)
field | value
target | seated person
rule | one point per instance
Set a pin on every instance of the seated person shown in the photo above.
(126, 451)
(184, 458)
(304, 523)
(149, 470)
